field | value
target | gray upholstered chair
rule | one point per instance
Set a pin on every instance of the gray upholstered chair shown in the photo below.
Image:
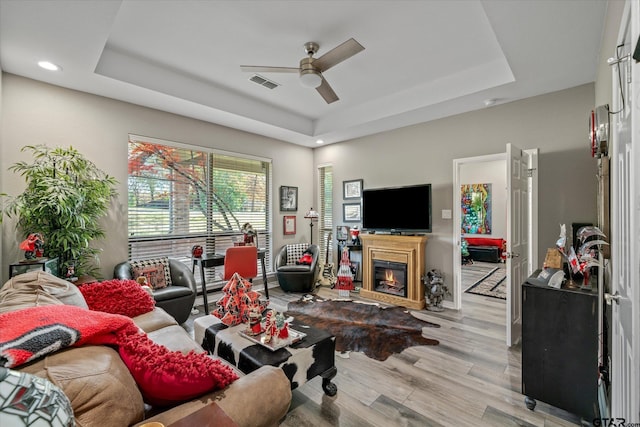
(293, 277)
(176, 299)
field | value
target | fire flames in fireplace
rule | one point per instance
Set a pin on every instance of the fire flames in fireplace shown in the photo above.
(390, 277)
(389, 280)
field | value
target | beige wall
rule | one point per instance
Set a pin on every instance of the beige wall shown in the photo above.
(424, 153)
(38, 113)
(608, 50)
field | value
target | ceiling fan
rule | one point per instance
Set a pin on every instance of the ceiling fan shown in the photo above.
(311, 68)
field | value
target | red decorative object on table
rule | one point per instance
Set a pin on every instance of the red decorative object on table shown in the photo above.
(197, 251)
(238, 301)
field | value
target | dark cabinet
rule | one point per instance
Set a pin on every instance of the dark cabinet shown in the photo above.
(560, 348)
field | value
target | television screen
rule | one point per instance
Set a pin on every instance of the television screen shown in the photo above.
(397, 209)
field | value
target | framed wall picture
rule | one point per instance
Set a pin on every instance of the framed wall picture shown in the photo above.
(289, 224)
(351, 212)
(288, 199)
(352, 189)
(475, 201)
(342, 232)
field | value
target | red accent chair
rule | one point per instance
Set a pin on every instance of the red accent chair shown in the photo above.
(244, 261)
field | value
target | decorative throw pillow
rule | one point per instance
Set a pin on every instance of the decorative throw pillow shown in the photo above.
(31, 400)
(156, 271)
(125, 297)
(305, 259)
(295, 251)
(180, 377)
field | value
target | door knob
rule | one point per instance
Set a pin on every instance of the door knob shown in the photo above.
(511, 254)
(615, 297)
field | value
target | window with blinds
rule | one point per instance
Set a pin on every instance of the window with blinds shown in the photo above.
(181, 196)
(325, 221)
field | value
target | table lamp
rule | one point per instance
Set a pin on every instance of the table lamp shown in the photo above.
(311, 215)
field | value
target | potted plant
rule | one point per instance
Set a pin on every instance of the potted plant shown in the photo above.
(65, 198)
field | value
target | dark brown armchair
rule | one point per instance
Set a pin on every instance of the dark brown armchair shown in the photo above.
(293, 277)
(176, 299)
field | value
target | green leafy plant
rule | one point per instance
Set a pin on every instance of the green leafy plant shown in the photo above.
(65, 198)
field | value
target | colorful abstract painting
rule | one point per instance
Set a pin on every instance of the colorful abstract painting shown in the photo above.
(475, 201)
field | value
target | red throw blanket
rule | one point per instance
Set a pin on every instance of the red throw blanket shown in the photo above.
(164, 377)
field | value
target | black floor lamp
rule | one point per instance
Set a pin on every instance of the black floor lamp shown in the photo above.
(312, 215)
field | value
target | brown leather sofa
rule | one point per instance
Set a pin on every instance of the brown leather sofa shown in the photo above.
(103, 392)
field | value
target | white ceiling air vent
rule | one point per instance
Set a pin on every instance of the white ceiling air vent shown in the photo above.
(263, 82)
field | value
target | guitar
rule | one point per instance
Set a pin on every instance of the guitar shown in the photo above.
(328, 275)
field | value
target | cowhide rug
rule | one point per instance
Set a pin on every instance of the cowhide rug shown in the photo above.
(377, 332)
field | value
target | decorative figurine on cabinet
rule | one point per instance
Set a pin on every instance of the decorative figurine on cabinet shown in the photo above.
(33, 246)
(355, 235)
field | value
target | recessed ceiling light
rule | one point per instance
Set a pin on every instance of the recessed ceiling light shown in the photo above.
(489, 102)
(49, 66)
(319, 141)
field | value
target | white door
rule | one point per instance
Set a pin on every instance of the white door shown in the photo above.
(517, 238)
(625, 214)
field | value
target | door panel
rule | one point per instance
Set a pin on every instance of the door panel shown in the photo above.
(517, 241)
(625, 238)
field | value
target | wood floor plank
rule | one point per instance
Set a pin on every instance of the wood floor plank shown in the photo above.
(470, 379)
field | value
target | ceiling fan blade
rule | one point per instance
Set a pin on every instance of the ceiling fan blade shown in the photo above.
(338, 54)
(264, 69)
(327, 92)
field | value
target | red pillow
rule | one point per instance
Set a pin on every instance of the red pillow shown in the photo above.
(125, 297)
(170, 377)
(484, 241)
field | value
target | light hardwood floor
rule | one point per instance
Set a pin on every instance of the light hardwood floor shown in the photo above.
(470, 379)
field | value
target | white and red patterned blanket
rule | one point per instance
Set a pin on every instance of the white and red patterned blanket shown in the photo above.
(31, 333)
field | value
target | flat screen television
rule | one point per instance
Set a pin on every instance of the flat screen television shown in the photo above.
(402, 210)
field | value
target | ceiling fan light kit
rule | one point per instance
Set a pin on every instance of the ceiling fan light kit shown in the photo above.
(310, 78)
(311, 69)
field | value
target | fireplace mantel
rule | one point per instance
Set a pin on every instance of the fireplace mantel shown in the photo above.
(404, 249)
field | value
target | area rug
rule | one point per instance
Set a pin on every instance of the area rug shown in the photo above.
(375, 331)
(485, 280)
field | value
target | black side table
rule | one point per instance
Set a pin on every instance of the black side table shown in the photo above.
(216, 260)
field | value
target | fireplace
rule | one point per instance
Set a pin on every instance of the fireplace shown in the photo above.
(390, 277)
(407, 253)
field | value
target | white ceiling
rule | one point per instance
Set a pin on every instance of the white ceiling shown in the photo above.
(423, 60)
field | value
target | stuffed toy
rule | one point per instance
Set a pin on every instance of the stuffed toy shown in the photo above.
(306, 259)
(249, 234)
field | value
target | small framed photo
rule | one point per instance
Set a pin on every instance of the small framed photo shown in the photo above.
(351, 212)
(352, 189)
(288, 199)
(342, 232)
(289, 224)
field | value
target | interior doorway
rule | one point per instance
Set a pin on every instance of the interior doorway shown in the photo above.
(524, 218)
(471, 168)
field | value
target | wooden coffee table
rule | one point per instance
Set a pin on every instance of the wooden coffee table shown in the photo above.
(312, 356)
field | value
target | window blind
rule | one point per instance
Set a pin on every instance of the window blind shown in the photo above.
(180, 196)
(326, 211)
